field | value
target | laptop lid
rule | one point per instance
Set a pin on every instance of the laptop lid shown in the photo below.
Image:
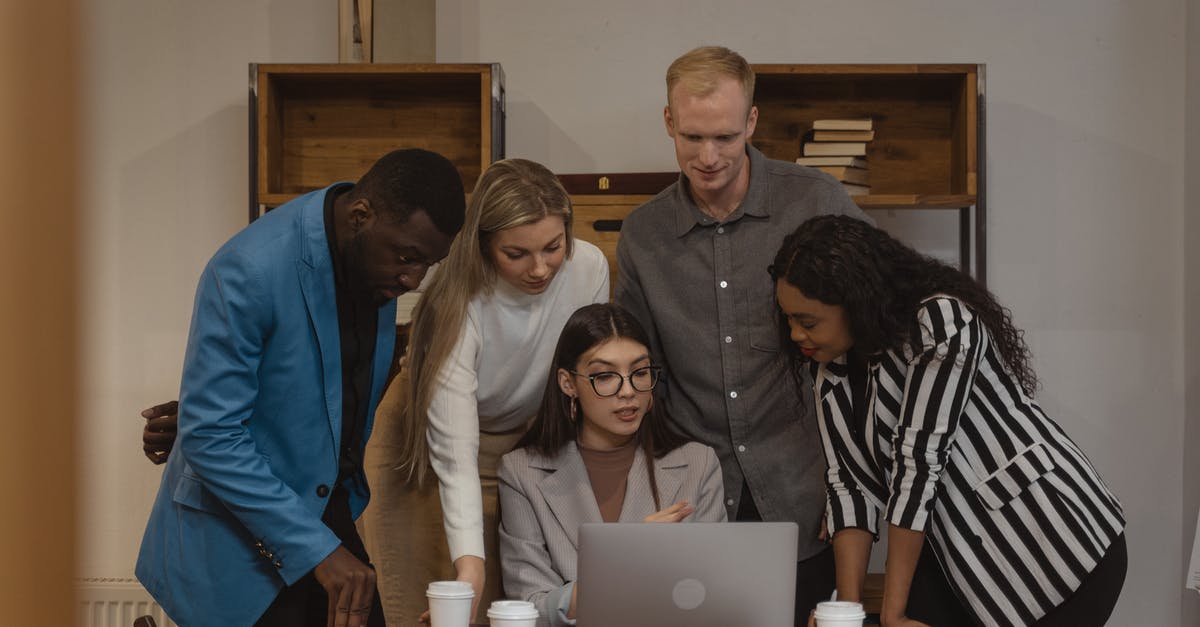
(687, 574)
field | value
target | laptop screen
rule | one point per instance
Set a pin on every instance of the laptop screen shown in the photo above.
(687, 574)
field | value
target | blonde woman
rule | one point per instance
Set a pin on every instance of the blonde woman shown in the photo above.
(490, 315)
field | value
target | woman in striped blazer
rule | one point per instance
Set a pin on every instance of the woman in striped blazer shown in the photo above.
(924, 401)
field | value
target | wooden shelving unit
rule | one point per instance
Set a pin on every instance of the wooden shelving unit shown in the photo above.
(927, 152)
(928, 120)
(313, 124)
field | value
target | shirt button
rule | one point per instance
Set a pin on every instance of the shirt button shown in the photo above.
(720, 230)
(729, 502)
(733, 395)
(724, 285)
(322, 490)
(728, 339)
(741, 448)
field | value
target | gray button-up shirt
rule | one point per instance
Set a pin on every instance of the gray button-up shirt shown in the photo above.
(701, 289)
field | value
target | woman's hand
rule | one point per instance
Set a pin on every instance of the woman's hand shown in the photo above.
(674, 513)
(469, 568)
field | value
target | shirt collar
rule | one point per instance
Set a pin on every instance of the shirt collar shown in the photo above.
(339, 265)
(689, 215)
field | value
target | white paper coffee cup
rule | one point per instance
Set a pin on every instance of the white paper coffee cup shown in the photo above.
(512, 614)
(449, 603)
(839, 614)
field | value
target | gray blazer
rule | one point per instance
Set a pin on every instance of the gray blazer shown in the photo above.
(544, 500)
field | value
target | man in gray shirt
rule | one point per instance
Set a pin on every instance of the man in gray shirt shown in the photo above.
(693, 269)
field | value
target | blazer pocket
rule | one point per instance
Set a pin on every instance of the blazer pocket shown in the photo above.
(190, 492)
(1001, 487)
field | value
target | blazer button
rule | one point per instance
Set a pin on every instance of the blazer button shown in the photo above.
(322, 490)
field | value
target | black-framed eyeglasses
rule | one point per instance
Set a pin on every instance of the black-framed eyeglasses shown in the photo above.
(609, 383)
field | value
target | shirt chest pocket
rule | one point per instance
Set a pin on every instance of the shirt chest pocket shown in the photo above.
(758, 313)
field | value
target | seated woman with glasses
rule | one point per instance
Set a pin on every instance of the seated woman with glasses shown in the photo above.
(599, 450)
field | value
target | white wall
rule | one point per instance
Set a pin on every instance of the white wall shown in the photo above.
(1191, 234)
(165, 184)
(1085, 175)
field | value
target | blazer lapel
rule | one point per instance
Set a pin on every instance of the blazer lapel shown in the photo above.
(834, 396)
(315, 271)
(639, 498)
(568, 492)
(385, 345)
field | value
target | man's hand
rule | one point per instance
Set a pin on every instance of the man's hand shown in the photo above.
(674, 513)
(158, 436)
(350, 586)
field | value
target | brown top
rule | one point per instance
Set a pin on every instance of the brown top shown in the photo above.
(608, 472)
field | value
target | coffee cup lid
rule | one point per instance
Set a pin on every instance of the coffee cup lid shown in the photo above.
(450, 590)
(839, 609)
(512, 609)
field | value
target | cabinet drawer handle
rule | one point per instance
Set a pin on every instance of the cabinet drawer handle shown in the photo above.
(607, 226)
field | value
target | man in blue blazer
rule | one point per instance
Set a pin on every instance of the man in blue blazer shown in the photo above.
(289, 349)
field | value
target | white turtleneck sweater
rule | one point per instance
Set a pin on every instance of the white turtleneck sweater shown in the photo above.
(494, 379)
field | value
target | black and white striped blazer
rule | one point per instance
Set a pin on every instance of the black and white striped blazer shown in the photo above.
(952, 446)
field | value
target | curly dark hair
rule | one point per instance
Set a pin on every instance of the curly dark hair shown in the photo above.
(880, 283)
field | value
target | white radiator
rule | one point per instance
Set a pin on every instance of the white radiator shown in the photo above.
(111, 602)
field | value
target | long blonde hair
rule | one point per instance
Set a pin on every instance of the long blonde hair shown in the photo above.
(510, 193)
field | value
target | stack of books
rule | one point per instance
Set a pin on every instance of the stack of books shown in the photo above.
(839, 147)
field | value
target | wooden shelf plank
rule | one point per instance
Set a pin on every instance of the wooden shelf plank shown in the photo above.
(915, 201)
(274, 200)
(873, 201)
(863, 69)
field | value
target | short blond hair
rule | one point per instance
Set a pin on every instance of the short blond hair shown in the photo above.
(700, 70)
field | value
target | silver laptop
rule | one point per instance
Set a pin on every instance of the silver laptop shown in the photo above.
(687, 574)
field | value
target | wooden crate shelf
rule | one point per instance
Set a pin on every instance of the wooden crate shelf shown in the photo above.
(927, 152)
(313, 124)
(925, 119)
(928, 121)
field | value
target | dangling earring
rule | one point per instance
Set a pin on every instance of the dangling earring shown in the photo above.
(574, 408)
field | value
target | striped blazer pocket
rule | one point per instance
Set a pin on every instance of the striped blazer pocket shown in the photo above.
(1015, 476)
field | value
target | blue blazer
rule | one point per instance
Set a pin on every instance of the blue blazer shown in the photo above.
(238, 512)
